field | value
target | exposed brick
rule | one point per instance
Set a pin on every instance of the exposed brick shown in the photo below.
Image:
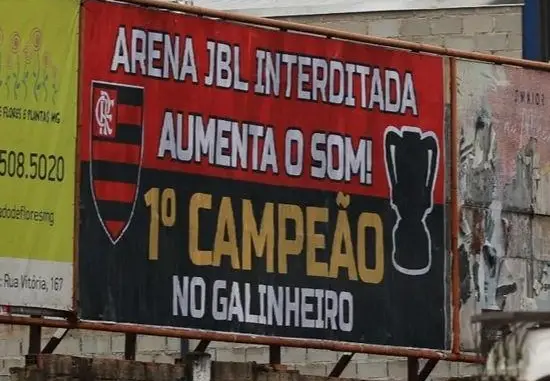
(230, 354)
(508, 23)
(70, 345)
(10, 347)
(509, 53)
(515, 41)
(429, 40)
(375, 369)
(459, 42)
(151, 343)
(96, 344)
(397, 368)
(257, 354)
(173, 344)
(313, 369)
(117, 343)
(316, 355)
(293, 355)
(490, 42)
(384, 28)
(478, 24)
(447, 25)
(347, 26)
(415, 27)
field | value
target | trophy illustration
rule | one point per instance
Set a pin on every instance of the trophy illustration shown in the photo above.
(412, 159)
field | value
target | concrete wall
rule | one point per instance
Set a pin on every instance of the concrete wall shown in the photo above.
(494, 30)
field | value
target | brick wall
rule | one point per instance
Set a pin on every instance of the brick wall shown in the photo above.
(14, 345)
(494, 30)
(59, 367)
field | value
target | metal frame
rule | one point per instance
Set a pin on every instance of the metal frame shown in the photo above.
(70, 321)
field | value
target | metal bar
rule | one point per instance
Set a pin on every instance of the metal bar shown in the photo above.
(54, 341)
(35, 339)
(130, 346)
(202, 345)
(412, 369)
(341, 365)
(77, 180)
(326, 32)
(243, 338)
(427, 369)
(274, 354)
(455, 211)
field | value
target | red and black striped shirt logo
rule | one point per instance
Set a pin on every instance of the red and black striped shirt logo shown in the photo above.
(116, 150)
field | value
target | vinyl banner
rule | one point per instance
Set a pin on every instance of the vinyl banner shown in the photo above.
(244, 180)
(38, 91)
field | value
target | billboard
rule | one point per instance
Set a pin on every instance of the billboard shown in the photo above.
(504, 183)
(246, 180)
(38, 92)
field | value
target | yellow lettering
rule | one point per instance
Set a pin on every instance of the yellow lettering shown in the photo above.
(198, 201)
(342, 240)
(315, 241)
(289, 246)
(261, 239)
(375, 275)
(226, 226)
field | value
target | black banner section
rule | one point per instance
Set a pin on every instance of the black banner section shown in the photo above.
(201, 252)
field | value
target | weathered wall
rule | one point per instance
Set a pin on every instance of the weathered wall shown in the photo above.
(56, 367)
(504, 177)
(494, 30)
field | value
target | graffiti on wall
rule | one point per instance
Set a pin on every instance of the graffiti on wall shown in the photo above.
(504, 176)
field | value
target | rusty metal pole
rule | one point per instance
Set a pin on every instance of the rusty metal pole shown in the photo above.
(455, 210)
(326, 32)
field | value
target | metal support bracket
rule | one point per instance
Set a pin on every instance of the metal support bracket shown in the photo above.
(341, 365)
(55, 340)
(274, 354)
(130, 346)
(202, 346)
(413, 366)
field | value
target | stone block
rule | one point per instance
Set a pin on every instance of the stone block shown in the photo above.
(317, 355)
(508, 23)
(415, 27)
(397, 368)
(446, 25)
(384, 27)
(293, 355)
(318, 369)
(96, 345)
(474, 24)
(151, 343)
(369, 370)
(259, 355)
(459, 42)
(11, 347)
(491, 42)
(231, 354)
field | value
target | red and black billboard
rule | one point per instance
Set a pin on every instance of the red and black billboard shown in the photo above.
(247, 180)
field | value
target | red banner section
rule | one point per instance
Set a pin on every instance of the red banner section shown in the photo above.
(243, 103)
